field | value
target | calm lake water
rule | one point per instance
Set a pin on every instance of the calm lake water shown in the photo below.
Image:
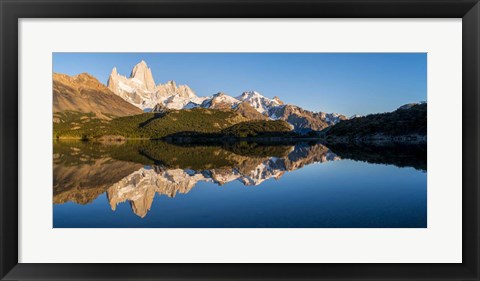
(157, 184)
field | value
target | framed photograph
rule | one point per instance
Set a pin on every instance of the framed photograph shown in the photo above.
(239, 140)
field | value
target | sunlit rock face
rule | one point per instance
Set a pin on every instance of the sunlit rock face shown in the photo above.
(140, 89)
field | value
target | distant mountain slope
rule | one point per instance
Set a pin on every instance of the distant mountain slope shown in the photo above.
(247, 111)
(407, 121)
(259, 102)
(255, 106)
(219, 101)
(304, 120)
(84, 93)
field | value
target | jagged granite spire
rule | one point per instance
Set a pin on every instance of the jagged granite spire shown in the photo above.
(144, 74)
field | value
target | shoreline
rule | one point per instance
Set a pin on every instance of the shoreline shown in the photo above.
(376, 140)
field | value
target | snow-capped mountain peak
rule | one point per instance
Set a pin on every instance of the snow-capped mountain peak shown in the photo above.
(140, 89)
(261, 103)
(249, 95)
(220, 101)
(278, 100)
(137, 89)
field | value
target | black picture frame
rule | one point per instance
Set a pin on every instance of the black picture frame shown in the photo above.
(13, 10)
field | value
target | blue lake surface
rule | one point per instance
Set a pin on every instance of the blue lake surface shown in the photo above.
(300, 186)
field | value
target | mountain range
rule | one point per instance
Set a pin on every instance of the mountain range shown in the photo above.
(141, 90)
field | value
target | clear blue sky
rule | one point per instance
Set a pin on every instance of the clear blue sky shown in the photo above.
(346, 83)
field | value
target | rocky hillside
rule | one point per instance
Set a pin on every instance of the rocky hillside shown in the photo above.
(84, 93)
(247, 111)
(304, 120)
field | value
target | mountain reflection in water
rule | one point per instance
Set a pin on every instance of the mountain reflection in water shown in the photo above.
(137, 172)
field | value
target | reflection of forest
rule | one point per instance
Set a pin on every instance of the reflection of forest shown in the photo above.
(136, 171)
(400, 155)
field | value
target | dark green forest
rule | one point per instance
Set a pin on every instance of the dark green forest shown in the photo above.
(409, 121)
(76, 125)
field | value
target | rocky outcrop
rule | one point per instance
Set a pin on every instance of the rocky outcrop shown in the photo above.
(159, 108)
(143, 74)
(138, 89)
(176, 97)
